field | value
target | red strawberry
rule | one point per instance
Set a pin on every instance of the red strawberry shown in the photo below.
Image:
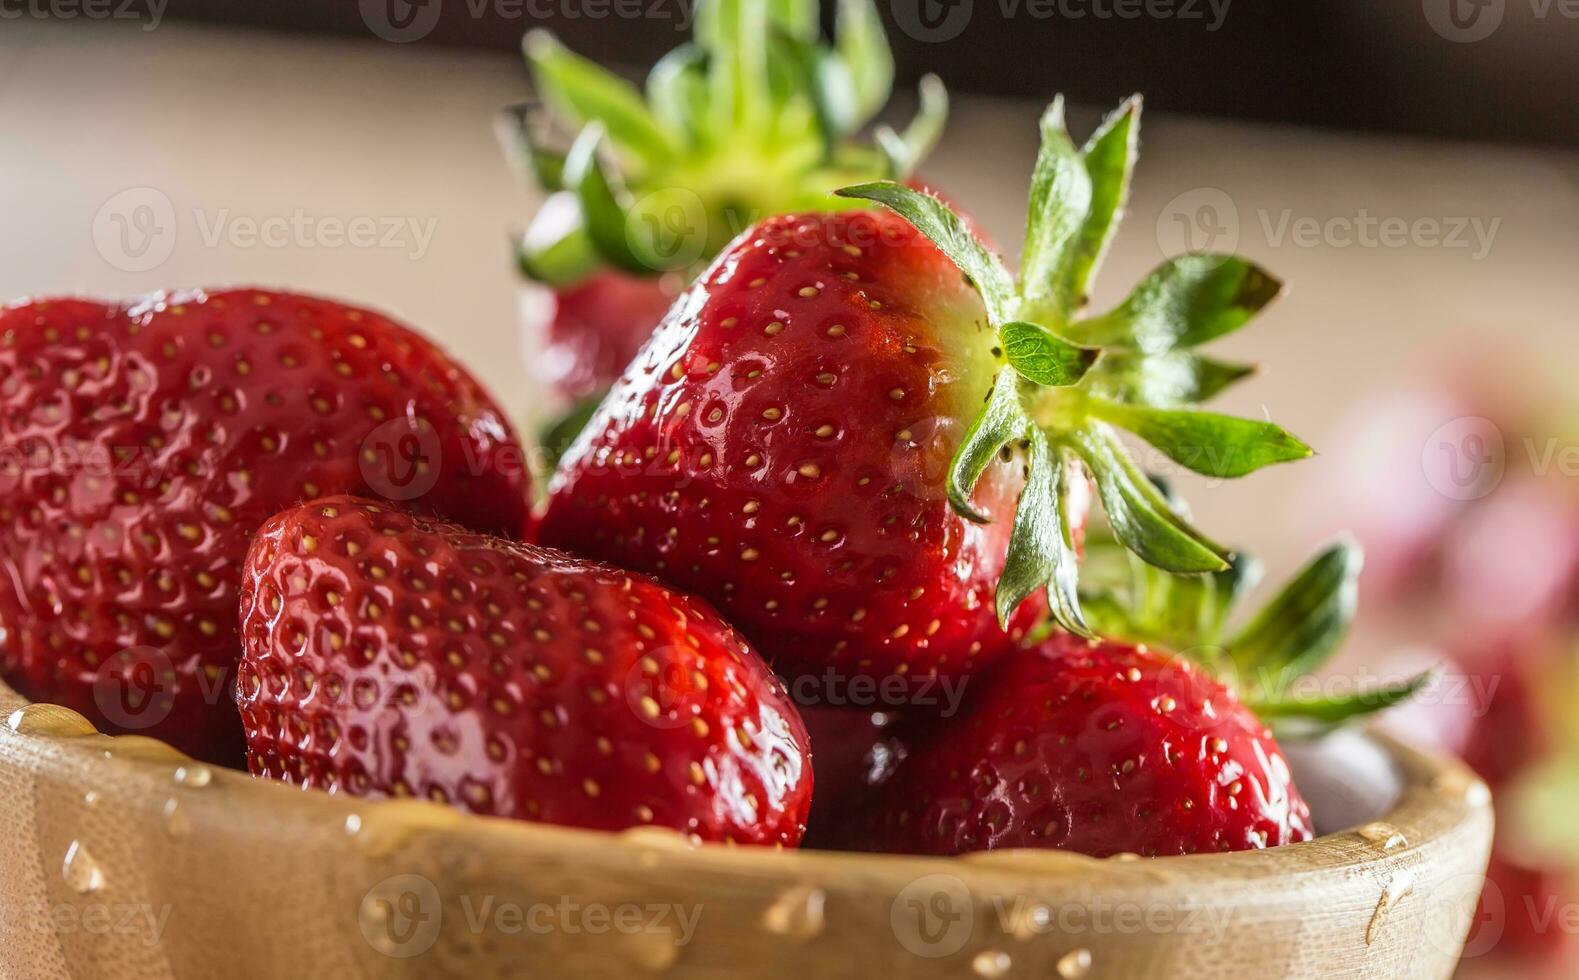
(797, 444)
(1520, 916)
(778, 447)
(854, 751)
(579, 338)
(1103, 746)
(142, 445)
(1509, 733)
(387, 655)
(756, 116)
(1096, 747)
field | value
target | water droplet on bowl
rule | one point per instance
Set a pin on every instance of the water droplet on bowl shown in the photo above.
(90, 799)
(48, 719)
(1462, 783)
(991, 963)
(195, 775)
(1074, 964)
(175, 819)
(1030, 920)
(1383, 834)
(80, 871)
(798, 913)
(353, 823)
(655, 950)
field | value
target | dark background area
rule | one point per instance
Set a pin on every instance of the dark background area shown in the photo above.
(1380, 65)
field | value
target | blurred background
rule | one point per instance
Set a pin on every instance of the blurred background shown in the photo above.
(1410, 169)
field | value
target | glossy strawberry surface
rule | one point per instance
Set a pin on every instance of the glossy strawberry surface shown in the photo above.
(780, 446)
(141, 445)
(854, 751)
(387, 655)
(578, 338)
(1100, 748)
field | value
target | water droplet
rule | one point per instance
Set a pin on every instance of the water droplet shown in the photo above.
(195, 775)
(1462, 783)
(1396, 889)
(1030, 920)
(991, 963)
(797, 913)
(655, 950)
(90, 799)
(1385, 834)
(80, 870)
(48, 719)
(175, 819)
(1074, 964)
(353, 823)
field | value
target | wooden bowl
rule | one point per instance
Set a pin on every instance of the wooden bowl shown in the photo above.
(124, 859)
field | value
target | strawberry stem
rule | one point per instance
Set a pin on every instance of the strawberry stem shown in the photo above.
(752, 118)
(1072, 383)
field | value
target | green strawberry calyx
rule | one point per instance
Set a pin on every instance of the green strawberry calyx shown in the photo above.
(1072, 381)
(751, 118)
(1265, 658)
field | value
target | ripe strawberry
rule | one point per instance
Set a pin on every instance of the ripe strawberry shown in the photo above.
(389, 655)
(756, 116)
(141, 445)
(854, 751)
(579, 338)
(1109, 746)
(796, 442)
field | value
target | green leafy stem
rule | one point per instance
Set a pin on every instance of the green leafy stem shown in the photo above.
(752, 117)
(1292, 636)
(1071, 382)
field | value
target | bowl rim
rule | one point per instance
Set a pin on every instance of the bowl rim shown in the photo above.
(1334, 906)
(1438, 797)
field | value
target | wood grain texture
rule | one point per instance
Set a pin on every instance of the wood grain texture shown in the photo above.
(122, 860)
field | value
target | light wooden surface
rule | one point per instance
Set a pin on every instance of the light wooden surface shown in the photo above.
(254, 125)
(163, 868)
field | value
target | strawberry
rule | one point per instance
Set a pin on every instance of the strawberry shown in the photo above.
(1111, 746)
(582, 336)
(390, 655)
(829, 433)
(853, 752)
(753, 117)
(142, 444)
